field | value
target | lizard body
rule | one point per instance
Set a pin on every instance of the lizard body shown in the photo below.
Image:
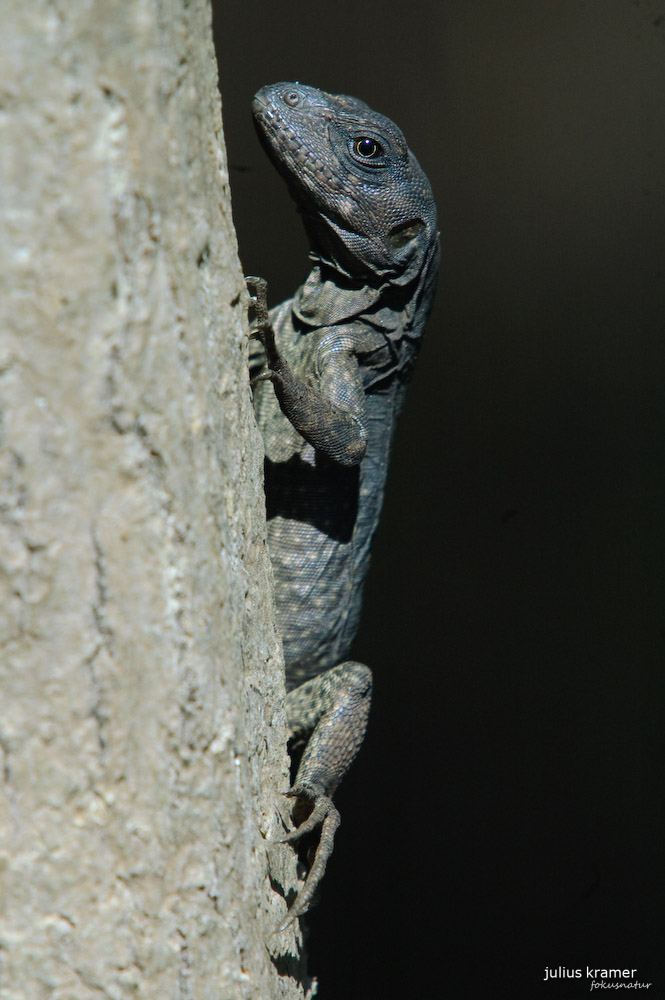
(339, 355)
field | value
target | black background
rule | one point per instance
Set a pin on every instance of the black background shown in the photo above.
(506, 812)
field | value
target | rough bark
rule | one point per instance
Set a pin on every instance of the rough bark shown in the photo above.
(141, 727)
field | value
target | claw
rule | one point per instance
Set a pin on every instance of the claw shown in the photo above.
(322, 807)
(263, 377)
(325, 815)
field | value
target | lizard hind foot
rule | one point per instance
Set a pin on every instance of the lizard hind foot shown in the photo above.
(325, 815)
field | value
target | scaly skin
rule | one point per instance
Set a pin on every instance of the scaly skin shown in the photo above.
(338, 355)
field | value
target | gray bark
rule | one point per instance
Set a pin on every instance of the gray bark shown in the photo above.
(141, 692)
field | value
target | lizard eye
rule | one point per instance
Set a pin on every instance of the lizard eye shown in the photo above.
(292, 98)
(368, 149)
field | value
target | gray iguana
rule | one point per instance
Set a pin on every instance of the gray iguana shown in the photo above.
(339, 355)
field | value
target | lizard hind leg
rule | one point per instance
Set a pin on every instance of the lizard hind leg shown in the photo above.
(330, 712)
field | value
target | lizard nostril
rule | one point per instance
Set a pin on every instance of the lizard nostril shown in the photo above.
(292, 98)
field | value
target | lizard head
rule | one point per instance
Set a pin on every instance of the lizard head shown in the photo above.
(366, 203)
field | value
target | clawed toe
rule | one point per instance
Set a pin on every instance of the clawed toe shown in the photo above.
(325, 815)
(258, 295)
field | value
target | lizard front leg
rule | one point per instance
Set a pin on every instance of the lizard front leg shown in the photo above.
(330, 711)
(322, 421)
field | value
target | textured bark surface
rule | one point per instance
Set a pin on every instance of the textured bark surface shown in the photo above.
(141, 727)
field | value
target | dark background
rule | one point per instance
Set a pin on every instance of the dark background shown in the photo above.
(506, 812)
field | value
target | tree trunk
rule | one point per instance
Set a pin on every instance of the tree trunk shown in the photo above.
(141, 704)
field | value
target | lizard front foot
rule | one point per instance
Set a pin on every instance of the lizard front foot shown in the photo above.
(262, 329)
(324, 814)
(258, 301)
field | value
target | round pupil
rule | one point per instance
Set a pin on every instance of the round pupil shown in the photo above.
(367, 147)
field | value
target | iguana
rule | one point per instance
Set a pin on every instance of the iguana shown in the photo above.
(339, 355)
